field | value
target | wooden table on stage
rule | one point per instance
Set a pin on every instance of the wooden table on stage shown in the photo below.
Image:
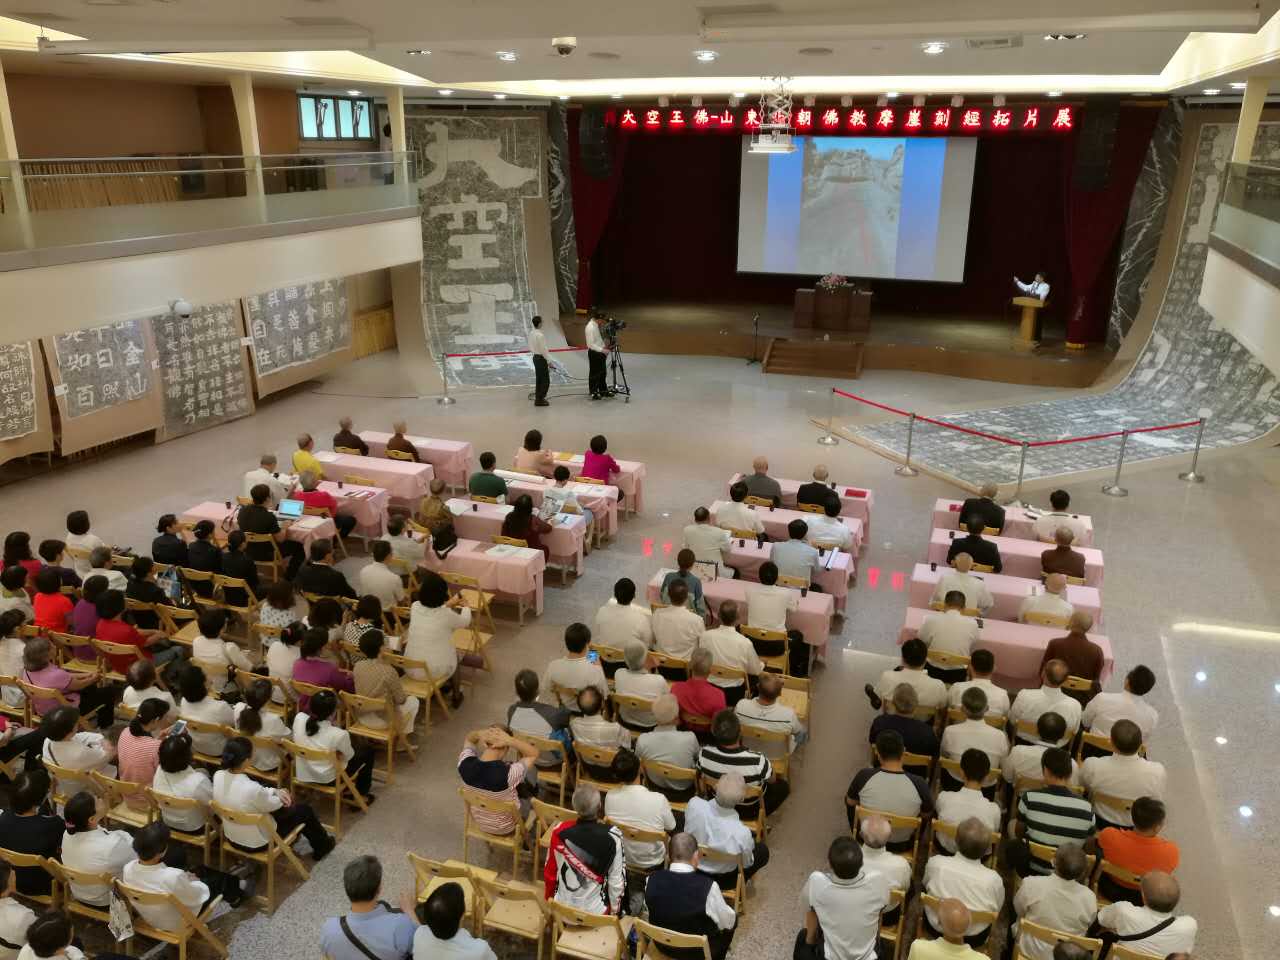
(1029, 329)
(847, 310)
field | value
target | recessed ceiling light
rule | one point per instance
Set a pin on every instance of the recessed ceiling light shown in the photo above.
(564, 96)
(1211, 91)
(1065, 36)
(934, 47)
(1201, 676)
(1246, 812)
(1220, 741)
(1274, 910)
(1276, 688)
(706, 56)
(445, 93)
(1053, 93)
(1239, 85)
(353, 93)
(418, 53)
(507, 56)
(892, 94)
(615, 96)
(499, 96)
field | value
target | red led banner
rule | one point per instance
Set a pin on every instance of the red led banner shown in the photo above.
(1054, 118)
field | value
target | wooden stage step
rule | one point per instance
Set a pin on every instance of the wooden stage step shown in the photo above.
(814, 358)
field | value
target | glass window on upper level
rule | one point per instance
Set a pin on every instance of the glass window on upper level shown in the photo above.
(335, 118)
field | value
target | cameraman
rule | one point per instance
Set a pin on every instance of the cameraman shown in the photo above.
(595, 357)
(541, 370)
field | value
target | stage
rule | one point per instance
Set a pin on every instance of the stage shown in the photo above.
(979, 348)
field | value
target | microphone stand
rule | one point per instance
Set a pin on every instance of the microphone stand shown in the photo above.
(755, 339)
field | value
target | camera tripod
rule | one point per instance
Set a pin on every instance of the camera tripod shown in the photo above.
(618, 374)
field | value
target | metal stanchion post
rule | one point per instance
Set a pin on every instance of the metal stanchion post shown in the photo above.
(1022, 466)
(1113, 489)
(906, 470)
(829, 440)
(444, 399)
(1191, 476)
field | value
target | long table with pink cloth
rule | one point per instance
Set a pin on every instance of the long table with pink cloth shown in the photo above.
(855, 502)
(511, 572)
(1020, 558)
(833, 579)
(483, 521)
(1018, 647)
(813, 618)
(1018, 522)
(367, 504)
(406, 482)
(1007, 592)
(304, 529)
(600, 499)
(451, 459)
(775, 522)
(630, 481)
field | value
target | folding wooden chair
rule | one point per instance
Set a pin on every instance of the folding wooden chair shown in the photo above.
(478, 601)
(943, 828)
(634, 706)
(780, 662)
(509, 541)
(742, 534)
(65, 643)
(670, 773)
(205, 839)
(399, 455)
(173, 620)
(1120, 952)
(267, 855)
(948, 661)
(357, 480)
(35, 694)
(514, 841)
(651, 939)
(472, 640)
(481, 498)
(1047, 619)
(557, 777)
(735, 675)
(116, 794)
(997, 720)
(758, 501)
(190, 578)
(795, 583)
(811, 508)
(275, 565)
(669, 666)
(891, 933)
(797, 694)
(430, 875)
(324, 512)
(193, 925)
(1117, 874)
(1050, 936)
(425, 688)
(201, 726)
(920, 763)
(545, 818)
(586, 936)
(514, 908)
(391, 736)
(32, 861)
(598, 757)
(931, 902)
(342, 790)
(22, 712)
(774, 744)
(1123, 804)
(983, 568)
(65, 876)
(107, 649)
(897, 822)
(737, 897)
(635, 835)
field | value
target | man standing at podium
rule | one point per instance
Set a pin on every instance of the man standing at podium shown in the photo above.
(1037, 288)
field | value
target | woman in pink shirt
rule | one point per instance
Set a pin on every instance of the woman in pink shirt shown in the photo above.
(138, 751)
(531, 458)
(310, 668)
(597, 464)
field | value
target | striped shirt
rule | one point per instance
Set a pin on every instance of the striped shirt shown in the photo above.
(494, 779)
(1054, 816)
(715, 761)
(138, 758)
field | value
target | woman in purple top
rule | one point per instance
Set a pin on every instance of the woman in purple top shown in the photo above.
(311, 668)
(597, 464)
(78, 688)
(84, 615)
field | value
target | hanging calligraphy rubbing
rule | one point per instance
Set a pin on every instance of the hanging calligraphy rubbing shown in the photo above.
(103, 366)
(202, 368)
(17, 390)
(298, 324)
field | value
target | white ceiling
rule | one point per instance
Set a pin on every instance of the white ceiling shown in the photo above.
(624, 40)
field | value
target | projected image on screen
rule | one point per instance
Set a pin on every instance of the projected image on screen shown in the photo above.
(862, 206)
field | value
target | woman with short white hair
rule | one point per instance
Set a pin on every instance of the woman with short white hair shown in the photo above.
(637, 679)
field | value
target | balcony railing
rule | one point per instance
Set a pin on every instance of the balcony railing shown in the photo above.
(68, 201)
(1249, 216)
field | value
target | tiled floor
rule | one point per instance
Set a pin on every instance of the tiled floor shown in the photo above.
(1190, 574)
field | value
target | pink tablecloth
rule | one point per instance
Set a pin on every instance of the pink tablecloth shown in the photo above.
(405, 481)
(1007, 592)
(1020, 524)
(485, 522)
(512, 576)
(1021, 558)
(855, 502)
(775, 522)
(813, 619)
(450, 458)
(630, 481)
(600, 499)
(1018, 647)
(370, 512)
(748, 559)
(304, 529)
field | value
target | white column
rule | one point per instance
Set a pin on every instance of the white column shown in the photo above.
(399, 140)
(247, 119)
(1255, 97)
(16, 194)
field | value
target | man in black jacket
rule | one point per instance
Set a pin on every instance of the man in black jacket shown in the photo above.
(318, 575)
(984, 505)
(684, 899)
(817, 492)
(256, 518)
(982, 551)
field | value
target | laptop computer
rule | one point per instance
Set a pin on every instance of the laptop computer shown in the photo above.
(289, 509)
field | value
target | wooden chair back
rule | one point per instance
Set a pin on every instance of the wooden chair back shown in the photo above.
(358, 480)
(592, 480)
(399, 455)
(734, 675)
(598, 757)
(1041, 619)
(481, 498)
(558, 776)
(648, 935)
(983, 568)
(896, 821)
(997, 720)
(811, 508)
(33, 861)
(192, 925)
(737, 897)
(738, 534)
(948, 661)
(473, 800)
(1049, 935)
(275, 848)
(566, 921)
(348, 451)
(796, 583)
(509, 541)
(669, 772)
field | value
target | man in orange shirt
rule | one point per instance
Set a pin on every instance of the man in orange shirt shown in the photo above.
(312, 496)
(1139, 850)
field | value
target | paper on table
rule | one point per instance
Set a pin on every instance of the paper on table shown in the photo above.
(507, 550)
(325, 456)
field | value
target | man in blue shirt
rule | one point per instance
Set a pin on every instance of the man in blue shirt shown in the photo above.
(372, 929)
(795, 557)
(685, 560)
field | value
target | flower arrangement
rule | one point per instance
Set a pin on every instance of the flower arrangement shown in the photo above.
(832, 282)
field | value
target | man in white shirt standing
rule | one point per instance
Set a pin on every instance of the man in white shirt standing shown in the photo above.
(982, 664)
(1106, 708)
(1029, 704)
(1125, 775)
(1059, 901)
(1152, 928)
(676, 628)
(737, 515)
(964, 877)
(596, 354)
(541, 363)
(949, 632)
(268, 473)
(634, 805)
(1037, 288)
(1053, 602)
(729, 648)
(976, 595)
(1047, 524)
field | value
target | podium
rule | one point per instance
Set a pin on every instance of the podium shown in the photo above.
(1029, 329)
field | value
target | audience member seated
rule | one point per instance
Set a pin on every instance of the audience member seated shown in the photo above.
(349, 439)
(818, 491)
(684, 899)
(1125, 775)
(140, 686)
(280, 606)
(532, 458)
(485, 482)
(13, 592)
(375, 678)
(1138, 850)
(716, 825)
(979, 550)
(976, 594)
(257, 518)
(1061, 558)
(918, 736)
(929, 691)
(12, 647)
(304, 457)
(698, 696)
(1059, 900)
(100, 565)
(597, 463)
(963, 876)
(1105, 709)
(433, 513)
(366, 616)
(760, 484)
(876, 833)
(442, 934)
(138, 749)
(637, 679)
(766, 710)
(1147, 929)
(827, 529)
(203, 553)
(1023, 762)
(1052, 603)
(685, 560)
(144, 589)
(433, 618)
(954, 918)
(379, 580)
(410, 547)
(326, 614)
(982, 664)
(973, 732)
(676, 628)
(253, 719)
(400, 443)
(888, 788)
(1051, 815)
(313, 728)
(318, 575)
(590, 727)
(621, 620)
(50, 606)
(78, 689)
(726, 754)
(17, 553)
(50, 937)
(16, 918)
(24, 828)
(561, 498)
(1082, 656)
(217, 654)
(527, 715)
(79, 537)
(199, 705)
(709, 542)
(573, 672)
(312, 667)
(283, 653)
(234, 789)
(314, 498)
(278, 485)
(73, 750)
(666, 744)
(842, 921)
(585, 867)
(1047, 524)
(984, 507)
(767, 608)
(956, 806)
(729, 648)
(796, 557)
(521, 523)
(1029, 704)
(237, 563)
(383, 932)
(114, 626)
(90, 848)
(84, 615)
(737, 515)
(54, 555)
(178, 778)
(634, 805)
(949, 631)
(168, 546)
(483, 767)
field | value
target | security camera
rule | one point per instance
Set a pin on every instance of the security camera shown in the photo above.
(181, 309)
(565, 46)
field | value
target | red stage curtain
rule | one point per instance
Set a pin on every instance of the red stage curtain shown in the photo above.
(1094, 220)
(592, 204)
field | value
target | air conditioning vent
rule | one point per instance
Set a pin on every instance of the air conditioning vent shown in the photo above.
(993, 43)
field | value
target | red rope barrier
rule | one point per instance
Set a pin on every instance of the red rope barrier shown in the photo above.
(513, 353)
(976, 433)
